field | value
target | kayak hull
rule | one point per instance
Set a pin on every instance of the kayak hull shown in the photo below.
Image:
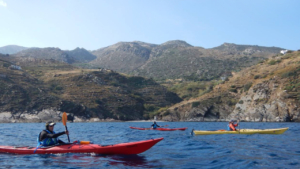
(160, 129)
(242, 131)
(122, 148)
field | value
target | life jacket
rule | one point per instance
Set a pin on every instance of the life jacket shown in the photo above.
(154, 126)
(230, 129)
(47, 141)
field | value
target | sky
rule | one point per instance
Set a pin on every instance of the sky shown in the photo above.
(93, 24)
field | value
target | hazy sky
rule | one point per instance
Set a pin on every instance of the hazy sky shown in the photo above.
(93, 24)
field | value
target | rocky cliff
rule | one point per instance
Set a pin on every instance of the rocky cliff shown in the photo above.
(268, 91)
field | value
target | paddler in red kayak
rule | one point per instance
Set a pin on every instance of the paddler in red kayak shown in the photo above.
(48, 137)
(154, 125)
(231, 125)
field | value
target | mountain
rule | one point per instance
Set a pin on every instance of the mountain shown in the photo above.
(178, 59)
(231, 50)
(78, 55)
(81, 55)
(46, 53)
(170, 60)
(122, 57)
(268, 91)
(11, 49)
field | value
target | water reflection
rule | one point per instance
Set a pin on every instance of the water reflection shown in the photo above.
(130, 160)
(94, 160)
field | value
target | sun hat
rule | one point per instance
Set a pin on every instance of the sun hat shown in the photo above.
(50, 123)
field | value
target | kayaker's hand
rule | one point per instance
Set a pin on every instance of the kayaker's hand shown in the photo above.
(67, 132)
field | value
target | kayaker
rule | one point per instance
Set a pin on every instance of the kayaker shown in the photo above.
(48, 137)
(154, 125)
(231, 125)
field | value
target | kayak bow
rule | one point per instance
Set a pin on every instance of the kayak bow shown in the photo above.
(243, 131)
(160, 129)
(122, 148)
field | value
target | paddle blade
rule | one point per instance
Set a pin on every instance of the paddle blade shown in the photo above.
(64, 118)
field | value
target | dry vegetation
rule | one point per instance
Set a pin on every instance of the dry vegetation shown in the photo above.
(85, 92)
(284, 68)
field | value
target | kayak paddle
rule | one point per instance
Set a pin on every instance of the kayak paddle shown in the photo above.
(64, 120)
(192, 132)
(239, 125)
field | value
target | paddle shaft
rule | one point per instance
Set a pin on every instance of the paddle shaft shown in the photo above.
(67, 133)
(239, 127)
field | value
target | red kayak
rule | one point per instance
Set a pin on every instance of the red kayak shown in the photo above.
(122, 148)
(160, 129)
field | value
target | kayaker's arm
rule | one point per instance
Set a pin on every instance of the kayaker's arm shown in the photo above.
(61, 142)
(45, 134)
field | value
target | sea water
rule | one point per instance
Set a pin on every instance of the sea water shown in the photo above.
(179, 149)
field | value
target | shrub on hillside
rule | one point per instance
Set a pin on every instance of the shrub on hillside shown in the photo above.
(6, 64)
(58, 88)
(247, 86)
(150, 107)
(195, 104)
(273, 62)
(162, 109)
(262, 61)
(233, 90)
(289, 88)
(166, 113)
(232, 102)
(256, 76)
(291, 73)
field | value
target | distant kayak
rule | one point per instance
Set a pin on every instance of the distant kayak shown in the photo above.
(242, 131)
(160, 129)
(122, 148)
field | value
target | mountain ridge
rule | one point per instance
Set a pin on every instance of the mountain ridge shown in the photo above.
(11, 49)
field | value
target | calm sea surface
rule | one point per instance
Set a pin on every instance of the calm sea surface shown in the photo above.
(179, 149)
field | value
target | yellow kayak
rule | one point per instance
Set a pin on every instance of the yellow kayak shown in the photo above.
(243, 131)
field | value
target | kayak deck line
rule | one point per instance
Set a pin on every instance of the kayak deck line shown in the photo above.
(120, 149)
(242, 131)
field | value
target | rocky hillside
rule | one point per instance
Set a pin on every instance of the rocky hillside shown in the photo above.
(122, 57)
(178, 59)
(268, 91)
(22, 95)
(81, 55)
(78, 55)
(42, 89)
(11, 49)
(46, 53)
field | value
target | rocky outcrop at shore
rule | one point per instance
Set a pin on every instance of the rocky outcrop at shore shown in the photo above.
(267, 102)
(264, 102)
(44, 116)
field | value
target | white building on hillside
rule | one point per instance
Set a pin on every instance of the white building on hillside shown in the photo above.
(283, 51)
(15, 67)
